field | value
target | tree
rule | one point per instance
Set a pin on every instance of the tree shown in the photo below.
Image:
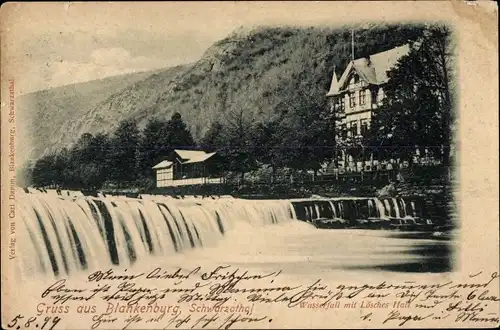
(178, 136)
(417, 108)
(153, 146)
(307, 133)
(61, 162)
(437, 55)
(86, 165)
(269, 149)
(44, 174)
(213, 138)
(124, 152)
(159, 138)
(80, 155)
(238, 147)
(81, 148)
(100, 164)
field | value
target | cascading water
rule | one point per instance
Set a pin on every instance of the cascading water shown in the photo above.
(382, 212)
(66, 234)
(397, 212)
(369, 212)
(388, 207)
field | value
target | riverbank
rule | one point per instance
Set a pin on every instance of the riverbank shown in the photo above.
(287, 191)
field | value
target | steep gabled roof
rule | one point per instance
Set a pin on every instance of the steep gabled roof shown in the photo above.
(372, 69)
(384, 61)
(334, 86)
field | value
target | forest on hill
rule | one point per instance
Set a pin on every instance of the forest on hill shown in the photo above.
(260, 70)
(257, 96)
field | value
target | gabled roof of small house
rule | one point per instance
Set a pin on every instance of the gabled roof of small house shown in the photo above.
(372, 69)
(188, 157)
(189, 154)
(163, 164)
(200, 158)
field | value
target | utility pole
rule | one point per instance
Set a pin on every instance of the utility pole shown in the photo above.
(352, 44)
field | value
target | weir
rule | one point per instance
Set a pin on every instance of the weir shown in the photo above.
(365, 212)
(67, 232)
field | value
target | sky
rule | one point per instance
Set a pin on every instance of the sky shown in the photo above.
(54, 44)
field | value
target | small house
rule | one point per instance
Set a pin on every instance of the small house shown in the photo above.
(189, 167)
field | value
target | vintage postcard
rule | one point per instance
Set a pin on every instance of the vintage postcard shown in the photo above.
(217, 165)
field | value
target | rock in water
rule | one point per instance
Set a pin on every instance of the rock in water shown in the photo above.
(387, 191)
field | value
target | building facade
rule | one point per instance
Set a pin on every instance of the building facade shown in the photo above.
(354, 98)
(189, 167)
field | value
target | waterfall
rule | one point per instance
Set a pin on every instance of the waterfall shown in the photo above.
(341, 207)
(334, 211)
(381, 209)
(397, 212)
(366, 212)
(414, 210)
(318, 212)
(65, 234)
(375, 209)
(388, 207)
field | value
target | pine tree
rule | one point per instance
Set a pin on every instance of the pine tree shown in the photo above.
(124, 152)
(213, 138)
(154, 145)
(178, 135)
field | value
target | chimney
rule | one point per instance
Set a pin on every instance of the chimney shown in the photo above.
(368, 60)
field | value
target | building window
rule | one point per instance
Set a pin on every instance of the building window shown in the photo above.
(364, 126)
(362, 96)
(352, 100)
(373, 93)
(343, 131)
(354, 80)
(336, 104)
(342, 104)
(339, 104)
(354, 128)
(380, 95)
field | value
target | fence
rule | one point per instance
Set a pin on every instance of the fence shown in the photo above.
(382, 176)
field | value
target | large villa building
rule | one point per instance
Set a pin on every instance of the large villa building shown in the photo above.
(355, 96)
